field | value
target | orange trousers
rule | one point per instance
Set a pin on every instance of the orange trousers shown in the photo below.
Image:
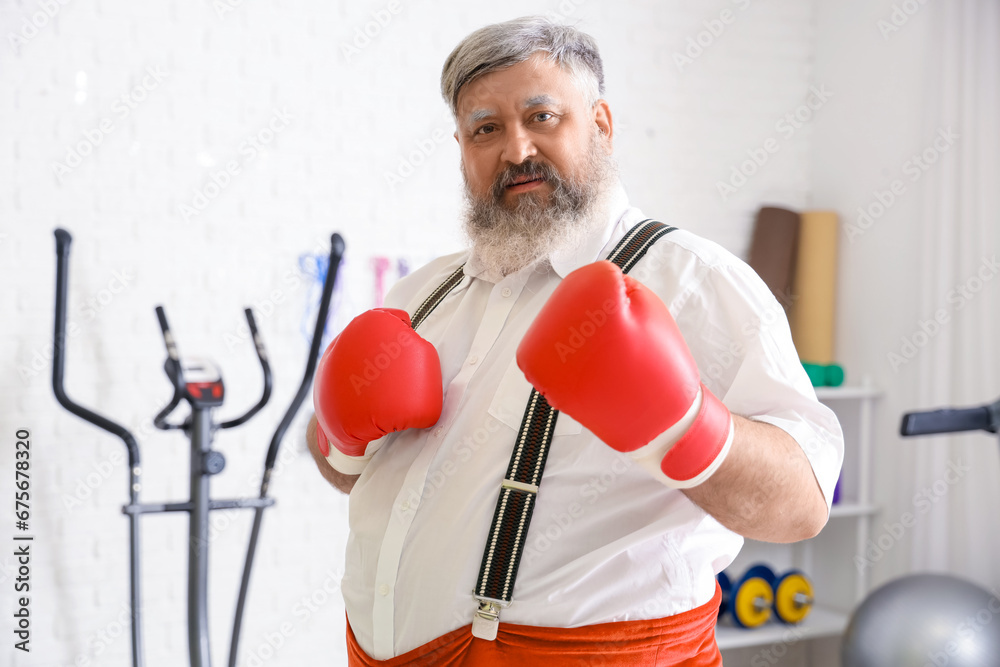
(686, 639)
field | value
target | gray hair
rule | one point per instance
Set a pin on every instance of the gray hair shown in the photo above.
(502, 45)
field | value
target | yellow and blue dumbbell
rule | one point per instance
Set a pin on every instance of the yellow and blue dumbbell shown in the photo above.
(752, 598)
(759, 593)
(793, 597)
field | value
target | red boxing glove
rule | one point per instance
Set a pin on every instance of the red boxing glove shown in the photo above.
(605, 350)
(378, 376)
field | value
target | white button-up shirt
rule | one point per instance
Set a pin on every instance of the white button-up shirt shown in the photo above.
(608, 541)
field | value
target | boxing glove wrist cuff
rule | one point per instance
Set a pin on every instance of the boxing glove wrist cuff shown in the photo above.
(690, 451)
(339, 460)
(350, 462)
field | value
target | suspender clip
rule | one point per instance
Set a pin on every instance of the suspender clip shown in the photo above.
(486, 620)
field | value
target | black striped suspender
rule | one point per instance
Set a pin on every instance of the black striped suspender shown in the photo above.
(437, 296)
(509, 530)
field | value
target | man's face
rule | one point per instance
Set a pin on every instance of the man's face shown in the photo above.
(529, 114)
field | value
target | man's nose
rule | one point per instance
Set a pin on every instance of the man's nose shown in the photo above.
(518, 145)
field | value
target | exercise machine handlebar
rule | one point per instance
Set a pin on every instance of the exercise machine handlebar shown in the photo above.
(173, 368)
(265, 366)
(952, 420)
(336, 254)
(63, 242)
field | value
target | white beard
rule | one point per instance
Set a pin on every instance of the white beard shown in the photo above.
(506, 239)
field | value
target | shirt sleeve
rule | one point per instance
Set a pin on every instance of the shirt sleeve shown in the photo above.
(739, 337)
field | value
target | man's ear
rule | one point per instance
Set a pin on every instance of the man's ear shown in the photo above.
(604, 122)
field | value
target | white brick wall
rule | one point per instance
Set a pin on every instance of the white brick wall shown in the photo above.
(226, 67)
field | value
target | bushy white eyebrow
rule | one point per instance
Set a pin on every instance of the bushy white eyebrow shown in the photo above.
(537, 100)
(480, 114)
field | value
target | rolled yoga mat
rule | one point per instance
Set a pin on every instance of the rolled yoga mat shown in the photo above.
(773, 250)
(812, 313)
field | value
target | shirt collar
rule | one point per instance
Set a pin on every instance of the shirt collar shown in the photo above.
(566, 261)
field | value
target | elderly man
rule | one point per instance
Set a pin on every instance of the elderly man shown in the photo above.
(550, 455)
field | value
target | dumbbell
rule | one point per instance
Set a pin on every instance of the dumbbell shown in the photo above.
(760, 592)
(752, 597)
(793, 597)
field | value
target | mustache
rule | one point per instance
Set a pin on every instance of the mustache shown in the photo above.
(528, 169)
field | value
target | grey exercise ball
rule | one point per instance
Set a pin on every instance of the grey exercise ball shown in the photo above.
(924, 620)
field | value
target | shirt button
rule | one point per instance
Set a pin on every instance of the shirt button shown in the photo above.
(473, 360)
(405, 506)
(383, 589)
(438, 431)
(505, 291)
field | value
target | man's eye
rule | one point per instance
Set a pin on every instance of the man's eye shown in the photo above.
(543, 116)
(486, 129)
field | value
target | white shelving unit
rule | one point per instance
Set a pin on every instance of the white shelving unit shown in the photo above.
(835, 559)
